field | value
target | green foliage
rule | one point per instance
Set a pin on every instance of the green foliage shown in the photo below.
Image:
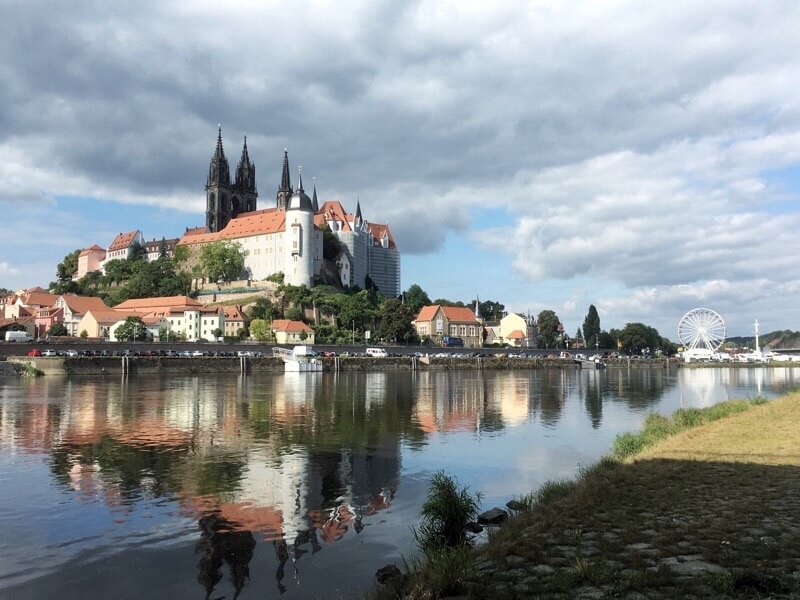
(394, 322)
(260, 330)
(181, 254)
(553, 490)
(28, 370)
(84, 334)
(330, 243)
(591, 327)
(356, 311)
(264, 309)
(138, 253)
(67, 267)
(276, 278)
(547, 323)
(492, 311)
(445, 514)
(58, 329)
(295, 313)
(446, 302)
(415, 298)
(658, 427)
(132, 330)
(221, 261)
(638, 337)
(607, 341)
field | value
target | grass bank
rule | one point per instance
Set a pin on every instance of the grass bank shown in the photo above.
(703, 504)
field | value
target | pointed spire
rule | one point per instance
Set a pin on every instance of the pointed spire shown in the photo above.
(477, 307)
(286, 183)
(358, 219)
(220, 152)
(300, 179)
(314, 203)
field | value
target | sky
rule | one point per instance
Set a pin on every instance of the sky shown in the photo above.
(643, 157)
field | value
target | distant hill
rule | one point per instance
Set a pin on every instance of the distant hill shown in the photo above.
(774, 339)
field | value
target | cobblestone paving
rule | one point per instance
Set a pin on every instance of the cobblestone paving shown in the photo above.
(658, 528)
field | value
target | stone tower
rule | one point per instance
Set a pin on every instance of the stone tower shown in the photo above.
(224, 199)
(285, 190)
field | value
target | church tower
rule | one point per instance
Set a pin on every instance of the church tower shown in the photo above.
(218, 189)
(244, 188)
(285, 191)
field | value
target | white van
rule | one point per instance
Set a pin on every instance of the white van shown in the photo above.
(377, 352)
(18, 336)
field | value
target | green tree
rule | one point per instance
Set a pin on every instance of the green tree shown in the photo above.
(638, 337)
(394, 322)
(548, 325)
(260, 330)
(264, 309)
(117, 271)
(137, 253)
(67, 267)
(57, 329)
(132, 330)
(492, 311)
(591, 327)
(181, 254)
(84, 334)
(330, 243)
(607, 341)
(221, 260)
(415, 298)
(356, 311)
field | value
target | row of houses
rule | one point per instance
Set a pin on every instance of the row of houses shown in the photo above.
(437, 322)
(122, 247)
(37, 311)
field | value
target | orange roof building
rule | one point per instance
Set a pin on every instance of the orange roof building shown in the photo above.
(436, 322)
(292, 332)
(182, 315)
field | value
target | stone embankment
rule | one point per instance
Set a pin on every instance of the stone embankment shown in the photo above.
(96, 365)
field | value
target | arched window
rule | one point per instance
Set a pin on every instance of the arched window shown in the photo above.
(212, 200)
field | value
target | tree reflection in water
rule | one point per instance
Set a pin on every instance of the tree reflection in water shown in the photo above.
(221, 542)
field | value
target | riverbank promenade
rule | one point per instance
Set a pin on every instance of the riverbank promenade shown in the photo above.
(713, 512)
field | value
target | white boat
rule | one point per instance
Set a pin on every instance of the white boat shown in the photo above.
(300, 359)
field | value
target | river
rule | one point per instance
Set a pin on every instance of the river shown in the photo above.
(295, 485)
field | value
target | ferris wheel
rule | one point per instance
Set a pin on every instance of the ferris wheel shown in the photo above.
(701, 329)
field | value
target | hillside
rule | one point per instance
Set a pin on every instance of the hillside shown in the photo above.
(775, 339)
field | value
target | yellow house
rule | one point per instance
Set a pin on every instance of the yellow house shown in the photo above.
(517, 330)
(290, 332)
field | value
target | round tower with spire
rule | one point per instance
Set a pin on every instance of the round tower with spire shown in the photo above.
(299, 237)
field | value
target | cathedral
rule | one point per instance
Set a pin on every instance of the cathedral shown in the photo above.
(287, 237)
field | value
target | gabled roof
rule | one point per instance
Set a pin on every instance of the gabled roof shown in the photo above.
(378, 231)
(259, 222)
(152, 304)
(123, 241)
(332, 210)
(38, 298)
(109, 317)
(91, 249)
(290, 326)
(82, 304)
(233, 313)
(516, 335)
(451, 313)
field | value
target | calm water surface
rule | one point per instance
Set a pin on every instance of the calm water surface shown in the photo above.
(296, 485)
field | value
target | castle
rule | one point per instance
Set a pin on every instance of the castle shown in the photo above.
(288, 237)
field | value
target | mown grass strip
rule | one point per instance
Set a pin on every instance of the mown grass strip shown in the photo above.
(658, 427)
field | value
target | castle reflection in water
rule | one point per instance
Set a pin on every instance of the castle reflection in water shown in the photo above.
(298, 461)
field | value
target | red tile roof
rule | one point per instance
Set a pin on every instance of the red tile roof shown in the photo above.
(37, 298)
(332, 210)
(153, 304)
(260, 222)
(451, 313)
(82, 304)
(90, 249)
(290, 326)
(196, 230)
(233, 313)
(516, 335)
(378, 232)
(123, 240)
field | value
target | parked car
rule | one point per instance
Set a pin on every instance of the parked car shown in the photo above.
(49, 352)
(35, 352)
(71, 353)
